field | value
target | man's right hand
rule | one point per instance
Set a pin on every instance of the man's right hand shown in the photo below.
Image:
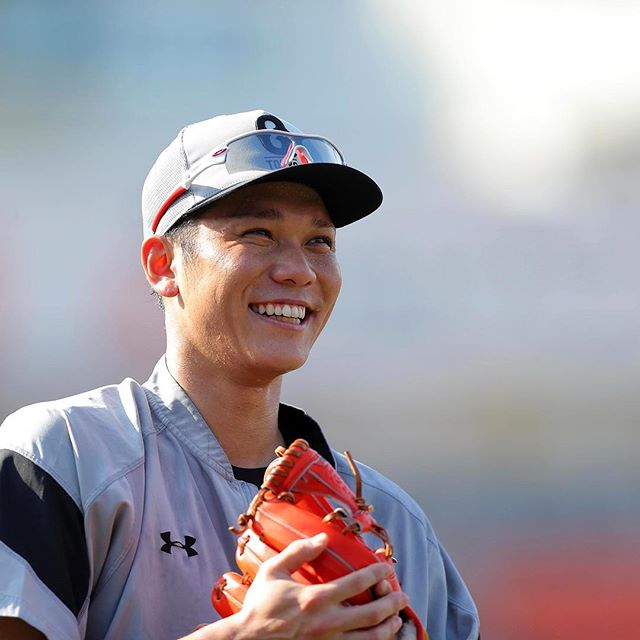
(277, 607)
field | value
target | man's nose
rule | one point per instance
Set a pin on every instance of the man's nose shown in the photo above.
(292, 267)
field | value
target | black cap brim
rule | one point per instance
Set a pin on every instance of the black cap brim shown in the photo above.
(348, 194)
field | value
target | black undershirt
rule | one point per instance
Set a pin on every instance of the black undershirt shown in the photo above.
(293, 423)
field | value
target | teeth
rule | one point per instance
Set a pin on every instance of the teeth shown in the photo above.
(293, 311)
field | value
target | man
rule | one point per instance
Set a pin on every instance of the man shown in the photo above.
(114, 504)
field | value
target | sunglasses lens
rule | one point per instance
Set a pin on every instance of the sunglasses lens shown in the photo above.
(272, 151)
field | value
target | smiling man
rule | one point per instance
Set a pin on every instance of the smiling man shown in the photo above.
(114, 504)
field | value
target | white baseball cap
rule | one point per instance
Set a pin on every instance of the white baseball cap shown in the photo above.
(212, 158)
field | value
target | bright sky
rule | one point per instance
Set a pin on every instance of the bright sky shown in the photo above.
(526, 92)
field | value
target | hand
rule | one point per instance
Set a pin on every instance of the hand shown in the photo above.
(277, 607)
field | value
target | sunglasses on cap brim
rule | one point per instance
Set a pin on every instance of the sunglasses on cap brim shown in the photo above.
(262, 151)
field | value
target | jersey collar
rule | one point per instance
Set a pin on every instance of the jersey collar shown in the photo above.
(179, 414)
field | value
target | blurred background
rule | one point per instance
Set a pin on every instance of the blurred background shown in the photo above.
(485, 352)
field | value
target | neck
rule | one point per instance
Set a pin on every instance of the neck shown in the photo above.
(242, 414)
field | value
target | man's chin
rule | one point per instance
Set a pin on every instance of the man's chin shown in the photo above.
(277, 367)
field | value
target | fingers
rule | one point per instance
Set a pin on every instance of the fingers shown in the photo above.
(299, 552)
(372, 613)
(376, 615)
(319, 608)
(354, 583)
(382, 588)
(384, 631)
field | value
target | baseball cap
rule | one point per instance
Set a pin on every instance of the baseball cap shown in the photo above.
(210, 159)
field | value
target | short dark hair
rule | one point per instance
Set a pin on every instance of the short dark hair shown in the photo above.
(184, 235)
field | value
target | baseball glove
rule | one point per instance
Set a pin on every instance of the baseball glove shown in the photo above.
(303, 495)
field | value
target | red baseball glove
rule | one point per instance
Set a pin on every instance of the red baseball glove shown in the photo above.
(303, 495)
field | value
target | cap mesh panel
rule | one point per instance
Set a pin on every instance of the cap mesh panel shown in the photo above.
(165, 176)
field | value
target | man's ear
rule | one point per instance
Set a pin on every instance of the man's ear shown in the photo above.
(157, 262)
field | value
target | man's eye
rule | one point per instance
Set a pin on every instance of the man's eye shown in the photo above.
(265, 233)
(323, 240)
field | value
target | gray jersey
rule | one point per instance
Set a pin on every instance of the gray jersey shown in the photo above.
(114, 508)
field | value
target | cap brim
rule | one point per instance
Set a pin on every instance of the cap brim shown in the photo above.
(348, 194)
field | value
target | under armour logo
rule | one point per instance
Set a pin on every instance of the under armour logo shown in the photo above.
(189, 541)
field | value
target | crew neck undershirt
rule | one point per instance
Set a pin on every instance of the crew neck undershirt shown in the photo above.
(293, 423)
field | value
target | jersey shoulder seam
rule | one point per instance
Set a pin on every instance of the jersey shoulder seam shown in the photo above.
(41, 464)
(112, 479)
(462, 607)
(120, 559)
(404, 506)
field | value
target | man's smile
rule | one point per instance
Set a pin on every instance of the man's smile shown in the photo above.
(283, 312)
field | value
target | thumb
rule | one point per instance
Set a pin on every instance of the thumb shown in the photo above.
(299, 552)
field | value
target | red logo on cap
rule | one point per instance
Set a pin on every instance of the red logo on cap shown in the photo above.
(296, 155)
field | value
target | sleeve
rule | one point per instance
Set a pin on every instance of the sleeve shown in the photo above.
(71, 475)
(44, 569)
(451, 612)
(436, 589)
(427, 574)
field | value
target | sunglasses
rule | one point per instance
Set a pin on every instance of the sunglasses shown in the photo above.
(264, 151)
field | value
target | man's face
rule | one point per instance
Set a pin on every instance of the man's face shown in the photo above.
(261, 283)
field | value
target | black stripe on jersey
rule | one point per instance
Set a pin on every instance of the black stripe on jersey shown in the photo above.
(41, 523)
